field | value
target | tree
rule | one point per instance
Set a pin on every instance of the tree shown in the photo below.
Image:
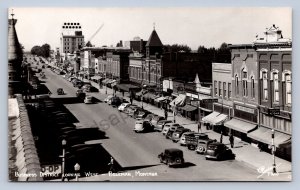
(46, 50)
(43, 50)
(223, 53)
(177, 48)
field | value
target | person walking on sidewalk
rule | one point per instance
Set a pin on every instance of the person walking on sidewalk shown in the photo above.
(231, 140)
(111, 164)
(199, 126)
(221, 137)
(166, 114)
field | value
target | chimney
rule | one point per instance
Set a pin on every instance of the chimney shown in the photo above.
(141, 46)
(121, 43)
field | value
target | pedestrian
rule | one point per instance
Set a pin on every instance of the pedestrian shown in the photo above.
(231, 140)
(111, 164)
(221, 137)
(199, 127)
(131, 100)
(166, 114)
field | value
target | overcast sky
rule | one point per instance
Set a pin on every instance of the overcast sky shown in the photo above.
(191, 26)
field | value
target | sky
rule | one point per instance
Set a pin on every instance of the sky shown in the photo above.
(209, 27)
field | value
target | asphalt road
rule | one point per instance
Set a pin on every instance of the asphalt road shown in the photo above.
(138, 152)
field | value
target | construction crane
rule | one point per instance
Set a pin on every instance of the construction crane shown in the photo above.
(89, 41)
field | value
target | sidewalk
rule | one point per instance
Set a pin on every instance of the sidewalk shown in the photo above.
(244, 152)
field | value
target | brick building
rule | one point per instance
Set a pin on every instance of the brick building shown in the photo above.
(71, 37)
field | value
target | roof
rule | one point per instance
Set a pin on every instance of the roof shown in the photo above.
(154, 40)
(14, 48)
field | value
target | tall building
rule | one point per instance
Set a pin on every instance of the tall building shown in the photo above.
(15, 58)
(71, 37)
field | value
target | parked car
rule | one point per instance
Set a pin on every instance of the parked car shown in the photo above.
(115, 101)
(182, 140)
(171, 130)
(193, 139)
(127, 108)
(77, 83)
(108, 98)
(80, 94)
(218, 151)
(142, 126)
(71, 79)
(156, 119)
(178, 133)
(149, 117)
(168, 126)
(141, 114)
(88, 100)
(171, 156)
(86, 88)
(132, 109)
(123, 106)
(203, 144)
(137, 111)
(60, 91)
(160, 124)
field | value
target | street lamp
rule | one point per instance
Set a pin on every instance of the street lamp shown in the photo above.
(63, 143)
(77, 169)
(273, 151)
(144, 86)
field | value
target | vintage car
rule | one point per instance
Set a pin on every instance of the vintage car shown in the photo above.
(178, 133)
(149, 117)
(123, 106)
(182, 140)
(60, 91)
(168, 126)
(203, 144)
(160, 125)
(141, 114)
(80, 94)
(142, 126)
(218, 151)
(88, 100)
(156, 119)
(108, 98)
(115, 101)
(171, 157)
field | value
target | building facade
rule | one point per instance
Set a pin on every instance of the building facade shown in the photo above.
(71, 38)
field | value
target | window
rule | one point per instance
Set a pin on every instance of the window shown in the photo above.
(244, 78)
(276, 87)
(224, 89)
(288, 90)
(265, 85)
(250, 55)
(236, 55)
(216, 88)
(252, 88)
(229, 90)
(220, 89)
(236, 84)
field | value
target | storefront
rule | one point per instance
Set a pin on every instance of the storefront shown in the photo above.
(243, 122)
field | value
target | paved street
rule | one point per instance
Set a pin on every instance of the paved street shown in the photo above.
(138, 152)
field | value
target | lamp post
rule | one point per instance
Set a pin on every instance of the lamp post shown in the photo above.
(144, 86)
(77, 169)
(273, 151)
(63, 143)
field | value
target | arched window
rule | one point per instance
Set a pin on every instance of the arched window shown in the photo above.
(264, 76)
(288, 88)
(276, 87)
(236, 84)
(244, 79)
(252, 87)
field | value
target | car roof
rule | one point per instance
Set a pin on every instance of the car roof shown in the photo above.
(173, 150)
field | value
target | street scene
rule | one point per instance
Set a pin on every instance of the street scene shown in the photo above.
(148, 108)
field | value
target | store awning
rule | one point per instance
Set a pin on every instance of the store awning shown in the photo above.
(149, 96)
(96, 77)
(264, 135)
(188, 108)
(219, 120)
(111, 81)
(239, 125)
(162, 98)
(105, 81)
(179, 101)
(127, 87)
(140, 93)
(209, 118)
